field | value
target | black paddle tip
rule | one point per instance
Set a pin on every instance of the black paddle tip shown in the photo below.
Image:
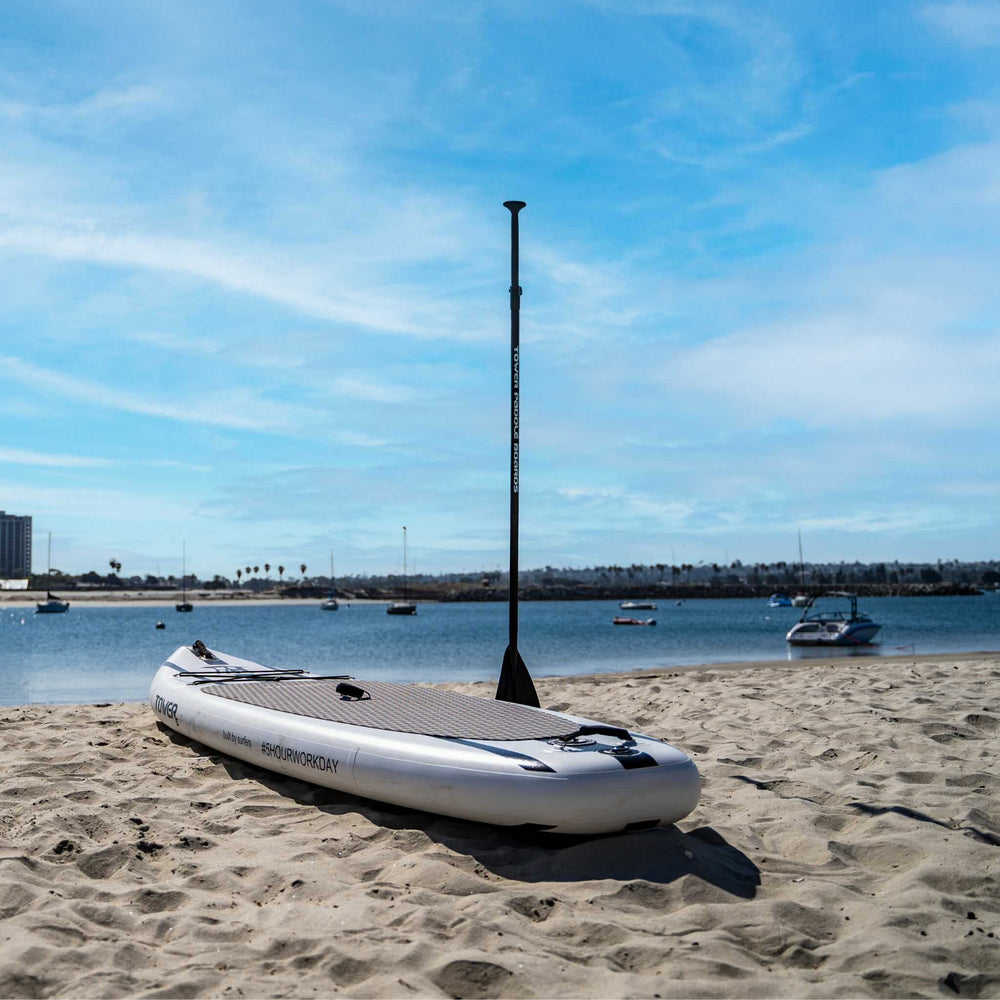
(515, 682)
(514, 206)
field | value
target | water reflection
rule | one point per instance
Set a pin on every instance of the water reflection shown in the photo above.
(831, 652)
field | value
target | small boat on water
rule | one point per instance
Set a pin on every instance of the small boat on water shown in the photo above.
(779, 601)
(405, 606)
(637, 606)
(801, 599)
(330, 604)
(836, 627)
(401, 608)
(52, 606)
(632, 621)
(185, 604)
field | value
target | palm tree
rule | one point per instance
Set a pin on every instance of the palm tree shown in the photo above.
(267, 567)
(302, 569)
(248, 570)
(256, 570)
(281, 573)
(239, 575)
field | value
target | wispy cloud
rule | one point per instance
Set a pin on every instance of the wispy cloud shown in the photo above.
(669, 514)
(365, 387)
(220, 265)
(973, 23)
(850, 368)
(83, 504)
(20, 456)
(169, 463)
(99, 109)
(237, 408)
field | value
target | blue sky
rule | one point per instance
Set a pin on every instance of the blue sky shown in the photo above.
(254, 270)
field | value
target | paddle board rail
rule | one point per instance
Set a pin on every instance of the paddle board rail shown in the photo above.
(426, 748)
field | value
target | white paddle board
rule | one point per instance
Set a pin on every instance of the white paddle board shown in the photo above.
(424, 748)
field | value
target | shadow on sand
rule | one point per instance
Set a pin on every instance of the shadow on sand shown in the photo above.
(660, 855)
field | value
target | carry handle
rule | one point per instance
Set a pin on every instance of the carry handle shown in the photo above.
(351, 692)
(599, 729)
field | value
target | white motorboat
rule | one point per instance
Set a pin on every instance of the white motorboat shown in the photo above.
(779, 601)
(836, 627)
(637, 606)
(801, 601)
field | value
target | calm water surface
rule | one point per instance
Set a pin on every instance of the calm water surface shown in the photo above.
(110, 654)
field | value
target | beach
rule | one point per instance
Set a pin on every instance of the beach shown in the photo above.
(846, 844)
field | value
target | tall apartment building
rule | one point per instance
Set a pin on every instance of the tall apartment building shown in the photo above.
(15, 545)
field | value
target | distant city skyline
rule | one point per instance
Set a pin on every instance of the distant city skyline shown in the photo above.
(15, 545)
(255, 269)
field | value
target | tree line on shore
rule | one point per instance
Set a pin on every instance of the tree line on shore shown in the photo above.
(736, 579)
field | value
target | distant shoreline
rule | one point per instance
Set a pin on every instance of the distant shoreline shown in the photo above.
(306, 595)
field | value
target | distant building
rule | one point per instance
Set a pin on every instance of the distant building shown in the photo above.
(15, 545)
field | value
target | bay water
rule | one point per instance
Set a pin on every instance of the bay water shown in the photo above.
(98, 654)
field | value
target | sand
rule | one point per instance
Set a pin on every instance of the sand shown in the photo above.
(846, 845)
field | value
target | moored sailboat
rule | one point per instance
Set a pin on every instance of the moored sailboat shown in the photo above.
(405, 606)
(330, 604)
(185, 604)
(53, 605)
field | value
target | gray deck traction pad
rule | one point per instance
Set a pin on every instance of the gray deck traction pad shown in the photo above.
(399, 708)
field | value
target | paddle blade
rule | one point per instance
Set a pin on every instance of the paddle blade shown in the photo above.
(515, 682)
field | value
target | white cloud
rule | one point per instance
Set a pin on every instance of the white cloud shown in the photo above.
(355, 385)
(102, 506)
(261, 275)
(628, 503)
(237, 408)
(973, 24)
(103, 107)
(168, 463)
(856, 368)
(19, 456)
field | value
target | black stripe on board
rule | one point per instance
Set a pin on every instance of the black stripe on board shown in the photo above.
(528, 763)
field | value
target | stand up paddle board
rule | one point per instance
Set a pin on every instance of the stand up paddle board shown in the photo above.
(491, 761)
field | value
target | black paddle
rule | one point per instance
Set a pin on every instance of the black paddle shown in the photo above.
(515, 681)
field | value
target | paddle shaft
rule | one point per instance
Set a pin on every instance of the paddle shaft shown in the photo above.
(515, 417)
